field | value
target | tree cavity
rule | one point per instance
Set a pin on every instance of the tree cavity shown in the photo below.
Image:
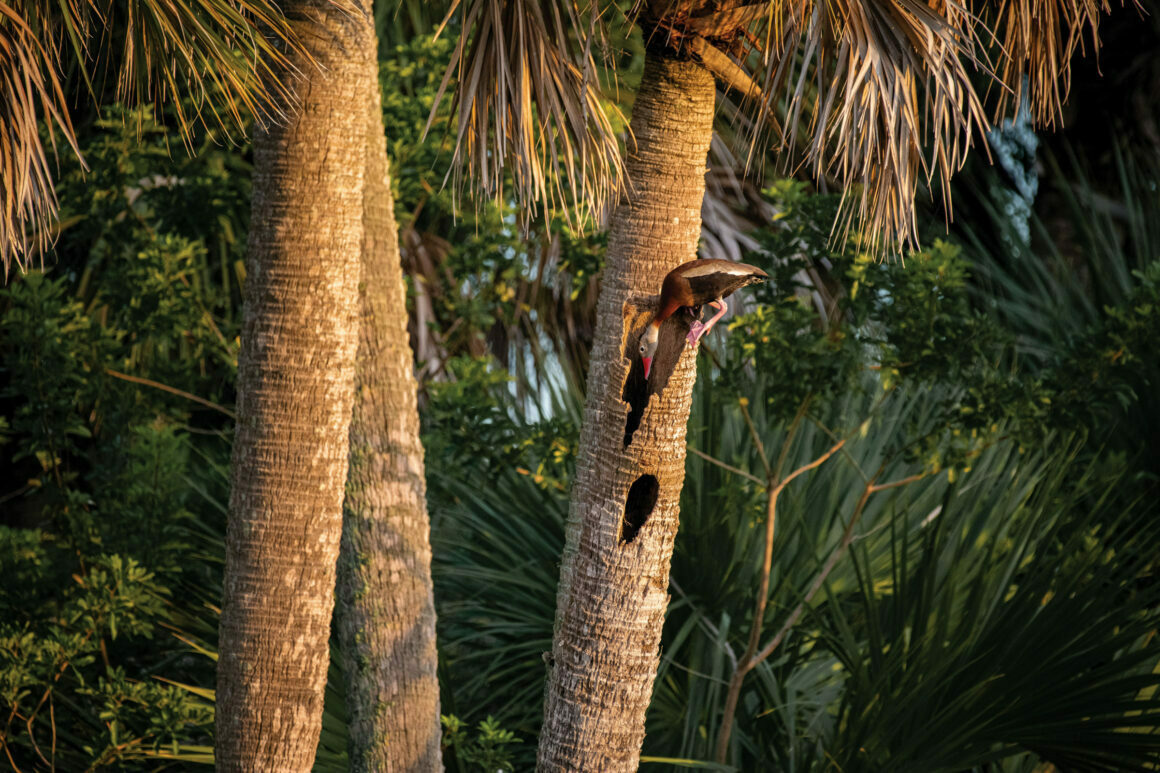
(642, 498)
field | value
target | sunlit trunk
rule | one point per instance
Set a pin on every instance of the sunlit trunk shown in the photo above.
(386, 608)
(295, 390)
(631, 464)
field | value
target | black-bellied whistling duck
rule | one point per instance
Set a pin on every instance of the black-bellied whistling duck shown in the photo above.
(691, 285)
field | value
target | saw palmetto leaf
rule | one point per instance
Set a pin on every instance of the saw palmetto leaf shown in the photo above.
(987, 635)
(527, 107)
(214, 62)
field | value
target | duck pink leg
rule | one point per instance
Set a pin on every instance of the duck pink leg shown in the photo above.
(697, 330)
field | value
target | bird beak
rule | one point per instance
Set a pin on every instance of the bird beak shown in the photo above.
(647, 365)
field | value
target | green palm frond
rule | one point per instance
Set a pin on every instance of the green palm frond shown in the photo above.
(214, 62)
(1032, 631)
(496, 550)
(528, 107)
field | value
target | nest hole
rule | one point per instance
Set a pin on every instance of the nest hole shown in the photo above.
(636, 394)
(642, 498)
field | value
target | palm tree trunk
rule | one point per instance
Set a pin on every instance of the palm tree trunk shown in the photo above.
(386, 613)
(295, 391)
(631, 466)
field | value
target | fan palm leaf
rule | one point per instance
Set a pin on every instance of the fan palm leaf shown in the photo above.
(528, 108)
(211, 61)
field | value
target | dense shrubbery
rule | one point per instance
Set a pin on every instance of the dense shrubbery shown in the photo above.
(102, 480)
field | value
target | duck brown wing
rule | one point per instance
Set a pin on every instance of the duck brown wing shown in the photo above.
(710, 287)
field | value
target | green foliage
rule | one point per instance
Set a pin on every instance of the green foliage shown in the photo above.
(1081, 282)
(472, 420)
(1112, 369)
(100, 493)
(880, 326)
(485, 752)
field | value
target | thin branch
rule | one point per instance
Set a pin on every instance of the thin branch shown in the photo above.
(767, 564)
(811, 465)
(819, 580)
(8, 753)
(834, 436)
(35, 745)
(171, 390)
(744, 403)
(847, 538)
(52, 724)
(793, 428)
(4, 738)
(895, 484)
(747, 660)
(752, 658)
(729, 467)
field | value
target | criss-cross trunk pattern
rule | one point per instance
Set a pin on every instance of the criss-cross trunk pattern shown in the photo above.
(386, 615)
(295, 390)
(631, 465)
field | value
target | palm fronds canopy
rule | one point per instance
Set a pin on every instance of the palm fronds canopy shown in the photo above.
(875, 95)
(212, 61)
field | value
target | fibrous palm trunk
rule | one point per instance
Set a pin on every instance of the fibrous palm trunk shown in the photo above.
(631, 464)
(295, 390)
(386, 606)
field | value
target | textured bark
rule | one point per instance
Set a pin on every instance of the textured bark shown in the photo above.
(295, 390)
(614, 579)
(386, 606)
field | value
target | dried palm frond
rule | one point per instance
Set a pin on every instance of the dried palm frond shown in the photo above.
(1039, 40)
(227, 58)
(29, 88)
(527, 105)
(874, 95)
(878, 94)
(733, 208)
(214, 61)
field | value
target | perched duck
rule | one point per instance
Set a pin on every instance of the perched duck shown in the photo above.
(692, 285)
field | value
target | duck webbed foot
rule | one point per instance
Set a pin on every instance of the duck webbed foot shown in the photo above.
(696, 330)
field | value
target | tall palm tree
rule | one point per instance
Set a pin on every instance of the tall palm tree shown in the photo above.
(873, 94)
(386, 612)
(295, 395)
